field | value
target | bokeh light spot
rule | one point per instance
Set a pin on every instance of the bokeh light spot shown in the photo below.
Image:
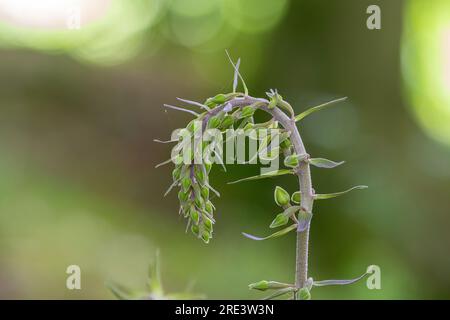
(426, 65)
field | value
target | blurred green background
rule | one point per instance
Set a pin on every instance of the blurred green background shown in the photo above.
(79, 109)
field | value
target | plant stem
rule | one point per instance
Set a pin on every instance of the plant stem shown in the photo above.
(304, 177)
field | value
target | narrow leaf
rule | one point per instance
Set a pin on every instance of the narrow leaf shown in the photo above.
(324, 163)
(337, 194)
(265, 175)
(181, 109)
(236, 70)
(164, 163)
(318, 108)
(337, 282)
(235, 78)
(212, 189)
(273, 235)
(195, 103)
(171, 187)
(280, 293)
(165, 141)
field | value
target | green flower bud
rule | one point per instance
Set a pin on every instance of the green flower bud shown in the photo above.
(304, 294)
(208, 167)
(190, 126)
(280, 220)
(199, 202)
(262, 285)
(219, 99)
(272, 103)
(273, 125)
(205, 192)
(183, 196)
(247, 111)
(291, 161)
(281, 196)
(209, 207)
(194, 215)
(176, 173)
(296, 197)
(285, 144)
(199, 174)
(249, 126)
(178, 159)
(206, 236)
(227, 122)
(195, 229)
(214, 122)
(194, 126)
(207, 223)
(185, 183)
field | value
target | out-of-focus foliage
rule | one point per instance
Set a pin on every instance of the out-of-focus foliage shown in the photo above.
(113, 31)
(426, 64)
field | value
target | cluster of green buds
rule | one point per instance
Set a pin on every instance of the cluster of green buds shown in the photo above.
(292, 211)
(191, 174)
(194, 198)
(194, 154)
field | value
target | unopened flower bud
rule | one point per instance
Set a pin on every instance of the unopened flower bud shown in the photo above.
(207, 223)
(205, 192)
(227, 122)
(219, 98)
(304, 294)
(280, 220)
(206, 236)
(185, 183)
(247, 111)
(249, 126)
(296, 197)
(262, 285)
(272, 103)
(291, 161)
(281, 196)
(194, 215)
(183, 196)
(214, 122)
(199, 174)
(209, 207)
(176, 173)
(195, 229)
(199, 202)
(286, 144)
